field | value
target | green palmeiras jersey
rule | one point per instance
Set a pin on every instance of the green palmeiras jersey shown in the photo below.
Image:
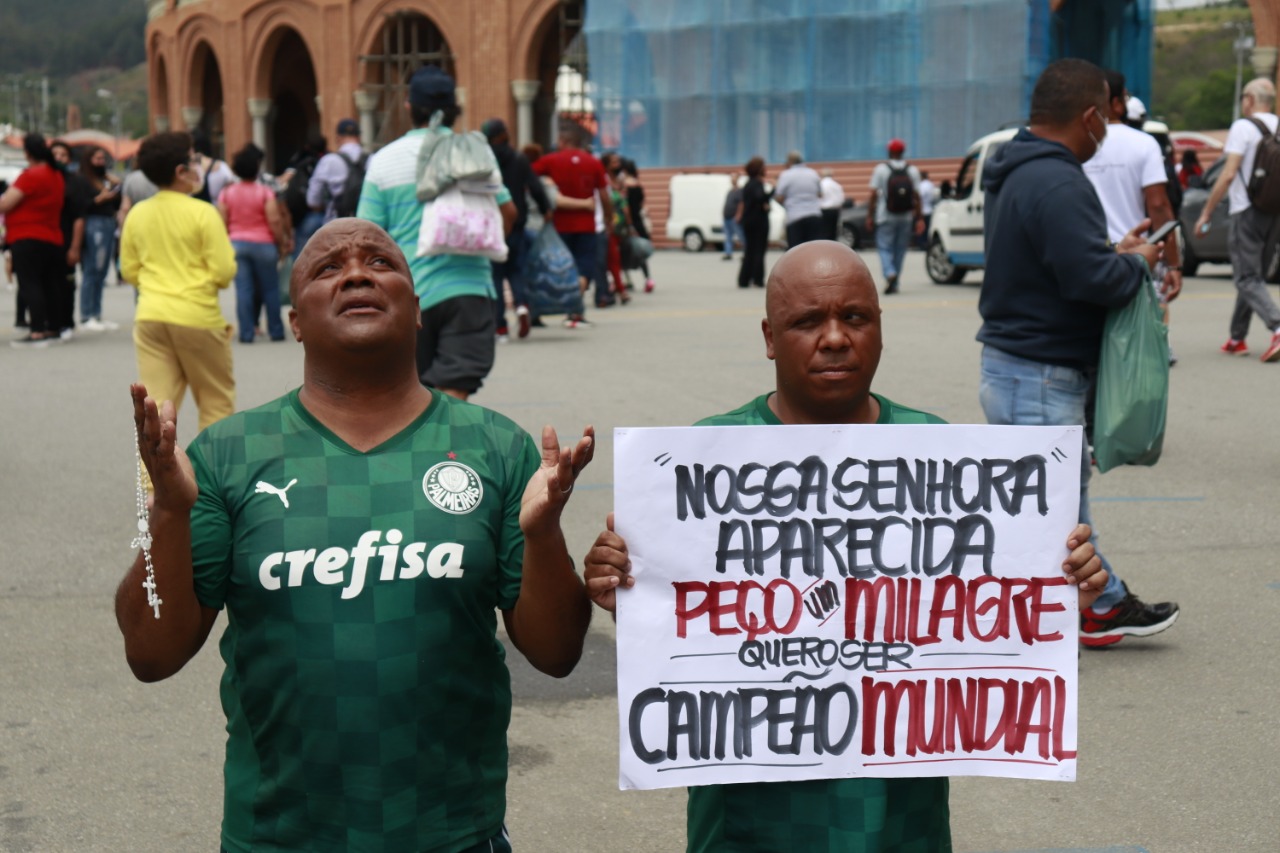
(366, 692)
(822, 815)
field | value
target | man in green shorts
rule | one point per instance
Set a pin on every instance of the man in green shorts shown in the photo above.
(360, 532)
(822, 331)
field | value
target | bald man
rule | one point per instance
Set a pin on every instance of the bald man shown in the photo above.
(360, 532)
(822, 332)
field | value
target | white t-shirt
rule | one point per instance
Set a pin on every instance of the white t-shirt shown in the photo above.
(832, 194)
(798, 187)
(928, 194)
(1243, 139)
(1128, 162)
(880, 180)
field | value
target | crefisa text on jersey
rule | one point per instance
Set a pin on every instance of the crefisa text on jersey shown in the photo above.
(337, 565)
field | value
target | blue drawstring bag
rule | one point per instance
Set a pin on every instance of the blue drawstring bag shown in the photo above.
(552, 276)
(1132, 398)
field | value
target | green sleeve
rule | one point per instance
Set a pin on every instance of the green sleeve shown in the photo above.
(525, 460)
(210, 535)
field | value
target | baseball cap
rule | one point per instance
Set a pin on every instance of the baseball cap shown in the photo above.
(429, 86)
(493, 127)
(897, 146)
(348, 127)
(1135, 109)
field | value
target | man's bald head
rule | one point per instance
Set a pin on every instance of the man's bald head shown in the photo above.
(822, 331)
(330, 236)
(814, 262)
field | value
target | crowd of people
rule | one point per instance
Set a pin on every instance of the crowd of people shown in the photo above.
(395, 340)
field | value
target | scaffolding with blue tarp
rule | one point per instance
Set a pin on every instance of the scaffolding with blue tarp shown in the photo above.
(676, 82)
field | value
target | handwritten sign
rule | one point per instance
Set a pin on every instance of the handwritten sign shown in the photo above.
(839, 601)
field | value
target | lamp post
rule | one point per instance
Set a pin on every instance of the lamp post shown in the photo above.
(1243, 44)
(107, 94)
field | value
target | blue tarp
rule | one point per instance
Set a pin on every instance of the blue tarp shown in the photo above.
(677, 82)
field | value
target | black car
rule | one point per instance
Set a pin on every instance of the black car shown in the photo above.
(853, 226)
(1212, 247)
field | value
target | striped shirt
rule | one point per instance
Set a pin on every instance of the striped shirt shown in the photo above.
(389, 199)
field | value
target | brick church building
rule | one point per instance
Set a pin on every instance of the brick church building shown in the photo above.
(273, 71)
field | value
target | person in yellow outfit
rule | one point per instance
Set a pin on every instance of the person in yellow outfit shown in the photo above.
(176, 251)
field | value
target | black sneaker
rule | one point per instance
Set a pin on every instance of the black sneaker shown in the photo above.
(32, 342)
(1132, 617)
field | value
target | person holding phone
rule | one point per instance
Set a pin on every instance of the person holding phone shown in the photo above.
(1129, 176)
(99, 239)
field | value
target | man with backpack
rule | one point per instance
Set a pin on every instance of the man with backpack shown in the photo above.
(892, 211)
(1251, 181)
(336, 182)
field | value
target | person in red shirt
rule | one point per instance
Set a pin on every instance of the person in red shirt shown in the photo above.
(580, 179)
(33, 213)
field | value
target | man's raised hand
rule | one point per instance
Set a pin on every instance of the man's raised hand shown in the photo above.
(551, 485)
(171, 476)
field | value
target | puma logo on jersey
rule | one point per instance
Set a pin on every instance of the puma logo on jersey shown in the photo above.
(334, 566)
(265, 488)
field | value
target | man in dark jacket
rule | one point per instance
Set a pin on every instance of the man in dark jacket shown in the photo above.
(521, 183)
(1051, 276)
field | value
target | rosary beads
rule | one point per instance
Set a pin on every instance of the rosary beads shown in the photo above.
(143, 539)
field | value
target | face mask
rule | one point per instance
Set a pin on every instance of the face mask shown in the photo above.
(100, 171)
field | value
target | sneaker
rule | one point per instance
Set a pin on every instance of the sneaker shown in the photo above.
(502, 338)
(522, 321)
(1235, 348)
(1132, 617)
(67, 334)
(649, 285)
(892, 286)
(1273, 351)
(576, 322)
(93, 324)
(31, 342)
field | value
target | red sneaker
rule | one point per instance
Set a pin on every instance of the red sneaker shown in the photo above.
(1273, 351)
(1235, 348)
(522, 318)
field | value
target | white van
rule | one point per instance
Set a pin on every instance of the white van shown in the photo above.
(696, 217)
(956, 243)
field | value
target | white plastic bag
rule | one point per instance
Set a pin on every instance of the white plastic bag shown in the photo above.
(462, 223)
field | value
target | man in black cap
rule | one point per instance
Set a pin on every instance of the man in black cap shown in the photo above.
(519, 180)
(330, 177)
(455, 292)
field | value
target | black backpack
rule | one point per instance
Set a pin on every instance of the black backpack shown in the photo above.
(1263, 184)
(348, 200)
(899, 191)
(294, 195)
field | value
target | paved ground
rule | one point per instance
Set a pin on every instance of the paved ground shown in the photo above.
(1178, 743)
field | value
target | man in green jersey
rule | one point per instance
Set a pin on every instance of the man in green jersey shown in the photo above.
(360, 532)
(822, 331)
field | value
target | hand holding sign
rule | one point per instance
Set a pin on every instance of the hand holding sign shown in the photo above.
(1084, 566)
(607, 567)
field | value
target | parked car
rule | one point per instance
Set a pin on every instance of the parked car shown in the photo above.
(853, 226)
(696, 217)
(955, 242)
(1212, 247)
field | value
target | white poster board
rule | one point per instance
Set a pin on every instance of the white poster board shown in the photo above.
(841, 601)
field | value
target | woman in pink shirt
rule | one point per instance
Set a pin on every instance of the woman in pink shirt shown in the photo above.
(256, 227)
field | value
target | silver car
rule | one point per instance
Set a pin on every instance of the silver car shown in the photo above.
(1212, 247)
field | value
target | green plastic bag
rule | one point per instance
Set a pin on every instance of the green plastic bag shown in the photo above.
(1133, 384)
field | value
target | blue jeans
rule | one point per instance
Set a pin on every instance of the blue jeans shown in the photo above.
(1030, 393)
(309, 225)
(511, 270)
(95, 260)
(257, 283)
(732, 232)
(892, 237)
